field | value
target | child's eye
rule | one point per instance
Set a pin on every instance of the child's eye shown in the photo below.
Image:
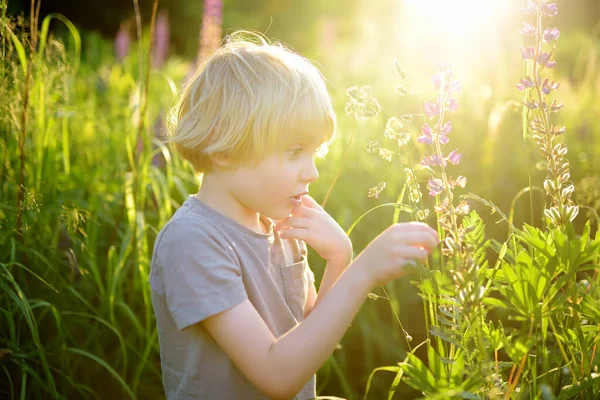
(296, 152)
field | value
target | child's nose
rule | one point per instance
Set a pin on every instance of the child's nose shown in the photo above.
(311, 174)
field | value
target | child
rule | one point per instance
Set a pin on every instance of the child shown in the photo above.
(237, 311)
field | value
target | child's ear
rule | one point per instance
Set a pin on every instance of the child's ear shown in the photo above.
(220, 160)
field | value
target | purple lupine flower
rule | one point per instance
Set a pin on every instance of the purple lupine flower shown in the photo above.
(550, 34)
(551, 9)
(525, 83)
(460, 181)
(452, 104)
(527, 53)
(444, 66)
(433, 160)
(426, 137)
(454, 86)
(446, 129)
(454, 157)
(531, 8)
(122, 41)
(431, 109)
(161, 40)
(436, 186)
(527, 29)
(544, 60)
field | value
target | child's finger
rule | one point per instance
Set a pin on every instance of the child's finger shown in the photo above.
(309, 201)
(290, 222)
(301, 211)
(296, 233)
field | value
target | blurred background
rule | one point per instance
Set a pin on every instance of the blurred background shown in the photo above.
(80, 210)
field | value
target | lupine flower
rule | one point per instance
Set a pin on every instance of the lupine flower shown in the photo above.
(527, 29)
(161, 40)
(122, 41)
(210, 33)
(431, 109)
(525, 83)
(454, 157)
(433, 160)
(452, 104)
(557, 184)
(436, 186)
(549, 9)
(531, 8)
(527, 53)
(544, 60)
(550, 34)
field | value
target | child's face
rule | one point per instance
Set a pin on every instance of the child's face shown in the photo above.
(269, 187)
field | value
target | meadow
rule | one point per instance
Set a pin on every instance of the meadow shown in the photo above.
(507, 307)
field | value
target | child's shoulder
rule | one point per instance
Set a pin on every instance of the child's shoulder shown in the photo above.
(188, 224)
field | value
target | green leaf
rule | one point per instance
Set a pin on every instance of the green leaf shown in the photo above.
(571, 391)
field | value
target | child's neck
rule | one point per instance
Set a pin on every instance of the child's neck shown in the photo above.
(214, 196)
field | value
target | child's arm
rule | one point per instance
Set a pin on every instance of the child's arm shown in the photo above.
(312, 224)
(280, 367)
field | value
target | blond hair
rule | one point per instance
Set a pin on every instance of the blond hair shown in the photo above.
(248, 99)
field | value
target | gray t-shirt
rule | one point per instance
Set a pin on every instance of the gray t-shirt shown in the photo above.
(204, 263)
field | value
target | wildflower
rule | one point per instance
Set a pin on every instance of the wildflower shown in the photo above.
(373, 147)
(550, 34)
(376, 190)
(393, 131)
(361, 103)
(431, 109)
(551, 10)
(399, 70)
(557, 184)
(452, 104)
(531, 8)
(527, 29)
(527, 53)
(544, 60)
(433, 160)
(454, 157)
(426, 136)
(386, 154)
(122, 41)
(525, 83)
(210, 33)
(161, 40)
(436, 186)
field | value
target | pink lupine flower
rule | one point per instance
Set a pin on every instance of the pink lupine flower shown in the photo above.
(431, 109)
(446, 129)
(161, 40)
(433, 160)
(550, 34)
(544, 60)
(527, 53)
(551, 9)
(452, 104)
(527, 29)
(454, 157)
(531, 8)
(426, 136)
(436, 186)
(122, 41)
(525, 83)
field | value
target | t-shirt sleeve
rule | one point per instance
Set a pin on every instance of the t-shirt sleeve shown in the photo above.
(200, 275)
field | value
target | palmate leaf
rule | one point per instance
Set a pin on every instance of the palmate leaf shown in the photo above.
(418, 375)
(571, 391)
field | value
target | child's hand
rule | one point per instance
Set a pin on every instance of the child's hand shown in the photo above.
(311, 223)
(386, 257)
